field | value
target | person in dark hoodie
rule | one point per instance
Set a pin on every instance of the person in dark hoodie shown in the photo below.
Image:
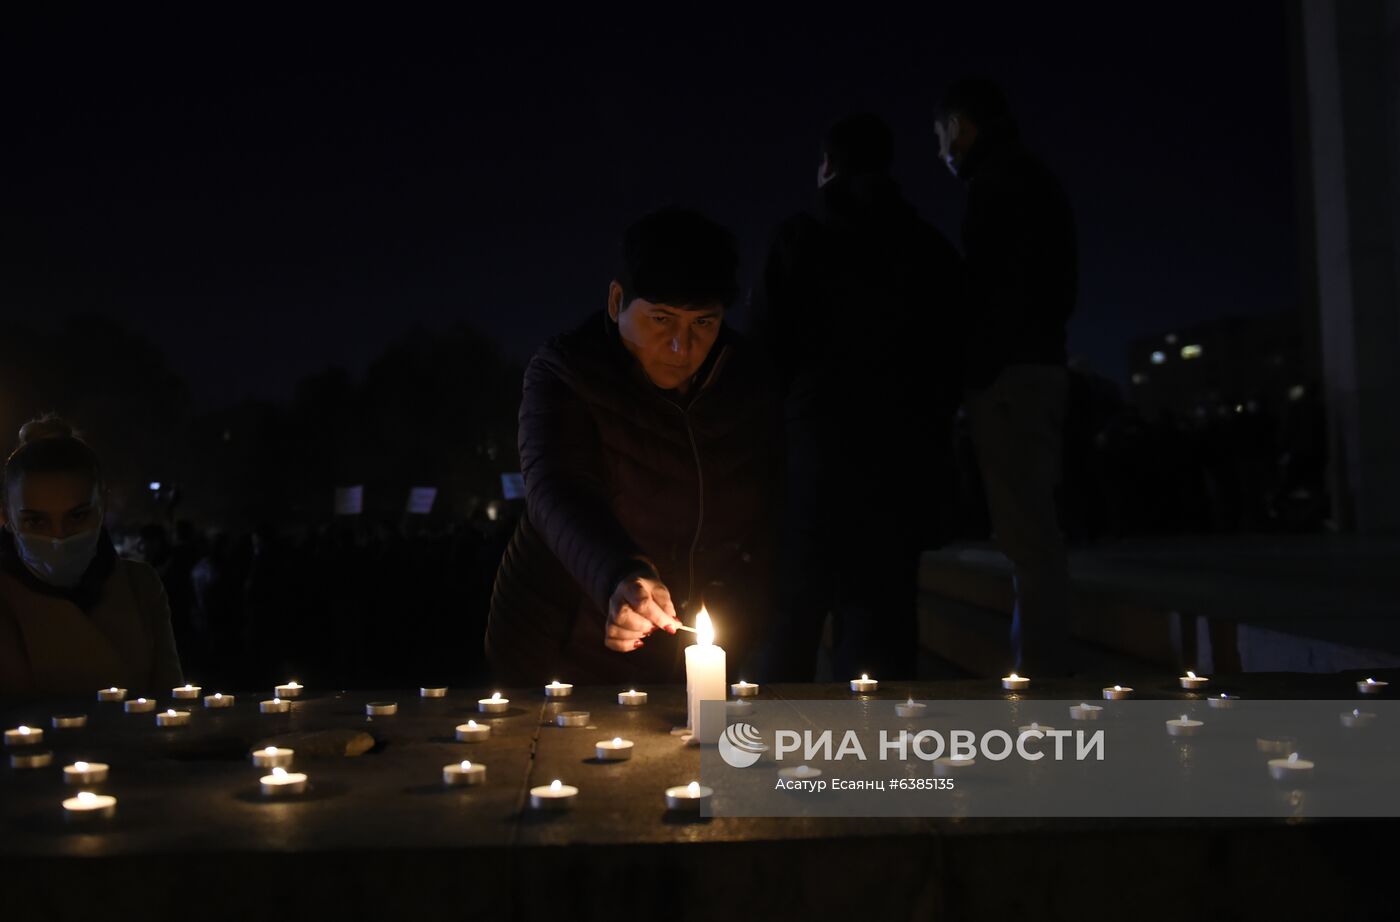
(1018, 239)
(648, 447)
(858, 308)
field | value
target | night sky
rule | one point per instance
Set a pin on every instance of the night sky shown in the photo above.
(263, 197)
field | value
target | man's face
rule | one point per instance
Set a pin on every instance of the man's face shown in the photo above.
(670, 343)
(954, 138)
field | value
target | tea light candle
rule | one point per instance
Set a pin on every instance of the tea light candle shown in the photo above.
(275, 706)
(1015, 682)
(1291, 769)
(1357, 719)
(463, 774)
(572, 719)
(910, 708)
(742, 689)
(69, 721)
(88, 805)
(1183, 726)
(1222, 701)
(24, 736)
(864, 684)
(172, 718)
(800, 772)
(282, 783)
(185, 692)
(689, 797)
(950, 768)
(1085, 711)
(1117, 692)
(1275, 745)
(433, 691)
(382, 708)
(85, 773)
(290, 690)
(473, 732)
(1033, 727)
(1193, 681)
(111, 694)
(30, 758)
(1371, 687)
(616, 749)
(557, 689)
(140, 706)
(493, 705)
(218, 700)
(632, 698)
(552, 796)
(273, 757)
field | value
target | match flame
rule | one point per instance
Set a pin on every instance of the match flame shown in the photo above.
(704, 630)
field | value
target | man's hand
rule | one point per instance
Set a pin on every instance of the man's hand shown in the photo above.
(638, 606)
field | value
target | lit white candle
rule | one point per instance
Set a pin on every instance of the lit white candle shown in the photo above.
(1291, 769)
(553, 796)
(87, 805)
(704, 681)
(218, 700)
(1117, 692)
(30, 758)
(910, 708)
(1085, 711)
(282, 783)
(463, 774)
(1357, 719)
(864, 685)
(111, 694)
(557, 689)
(382, 708)
(742, 689)
(140, 706)
(172, 718)
(571, 718)
(69, 721)
(185, 692)
(493, 705)
(616, 749)
(632, 698)
(272, 757)
(24, 736)
(688, 798)
(290, 690)
(80, 773)
(1193, 681)
(1371, 687)
(432, 691)
(800, 772)
(275, 706)
(1221, 701)
(473, 732)
(1183, 726)
(1015, 682)
(1033, 728)
(950, 768)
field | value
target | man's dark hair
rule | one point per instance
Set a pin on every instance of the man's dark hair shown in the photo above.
(980, 101)
(677, 256)
(859, 143)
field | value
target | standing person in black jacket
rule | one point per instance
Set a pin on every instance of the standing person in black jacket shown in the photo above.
(858, 309)
(647, 442)
(1018, 239)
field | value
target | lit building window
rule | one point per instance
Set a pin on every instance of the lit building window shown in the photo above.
(1158, 358)
(1191, 352)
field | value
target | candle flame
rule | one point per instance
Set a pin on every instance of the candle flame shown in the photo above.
(466, 765)
(271, 750)
(704, 630)
(631, 691)
(188, 685)
(87, 797)
(864, 677)
(169, 712)
(911, 700)
(276, 700)
(555, 785)
(1117, 688)
(113, 688)
(1224, 694)
(1356, 712)
(1013, 676)
(80, 766)
(1370, 681)
(1083, 704)
(218, 694)
(1190, 674)
(279, 772)
(1293, 757)
(694, 787)
(495, 696)
(1034, 725)
(140, 700)
(617, 741)
(1183, 718)
(471, 723)
(23, 729)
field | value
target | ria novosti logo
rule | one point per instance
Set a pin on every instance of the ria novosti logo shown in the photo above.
(741, 745)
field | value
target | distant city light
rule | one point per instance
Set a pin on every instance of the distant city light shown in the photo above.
(1139, 378)
(1191, 352)
(1159, 358)
(155, 486)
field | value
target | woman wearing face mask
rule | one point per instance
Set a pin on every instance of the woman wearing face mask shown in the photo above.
(74, 617)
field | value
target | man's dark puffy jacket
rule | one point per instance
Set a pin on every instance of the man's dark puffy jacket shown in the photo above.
(1018, 238)
(623, 478)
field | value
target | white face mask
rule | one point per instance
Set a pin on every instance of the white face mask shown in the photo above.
(60, 562)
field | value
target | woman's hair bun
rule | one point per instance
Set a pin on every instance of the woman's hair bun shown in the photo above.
(48, 426)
